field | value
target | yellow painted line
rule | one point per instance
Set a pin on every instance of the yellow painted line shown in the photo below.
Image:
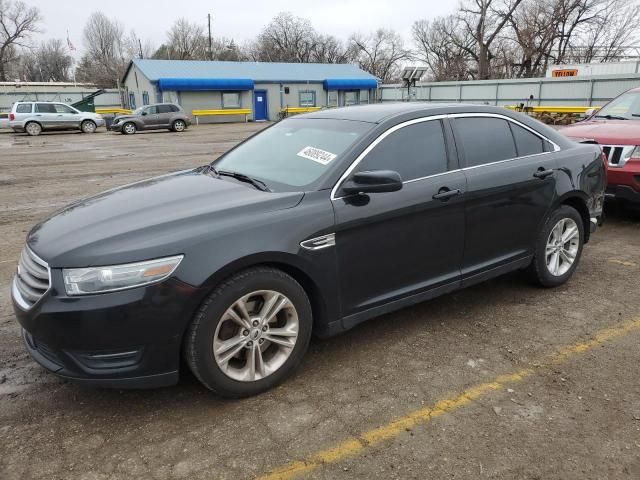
(355, 445)
(622, 262)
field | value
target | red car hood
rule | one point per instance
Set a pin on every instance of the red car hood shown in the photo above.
(607, 132)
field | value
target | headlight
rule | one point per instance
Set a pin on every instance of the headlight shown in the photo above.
(116, 121)
(84, 281)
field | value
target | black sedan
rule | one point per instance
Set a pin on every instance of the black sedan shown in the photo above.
(313, 225)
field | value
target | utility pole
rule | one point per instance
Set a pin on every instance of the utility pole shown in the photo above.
(210, 43)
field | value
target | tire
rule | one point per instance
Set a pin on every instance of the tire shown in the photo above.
(129, 128)
(179, 126)
(552, 263)
(33, 129)
(88, 126)
(214, 328)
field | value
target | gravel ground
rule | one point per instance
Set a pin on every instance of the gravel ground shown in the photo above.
(577, 418)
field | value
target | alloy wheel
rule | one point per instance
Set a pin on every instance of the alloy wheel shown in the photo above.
(178, 125)
(88, 126)
(129, 128)
(33, 129)
(256, 335)
(562, 247)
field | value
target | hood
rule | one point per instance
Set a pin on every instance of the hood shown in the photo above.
(158, 217)
(606, 132)
(124, 117)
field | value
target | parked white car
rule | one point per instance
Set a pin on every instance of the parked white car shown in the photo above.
(35, 117)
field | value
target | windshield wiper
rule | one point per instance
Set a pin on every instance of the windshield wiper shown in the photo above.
(612, 117)
(259, 184)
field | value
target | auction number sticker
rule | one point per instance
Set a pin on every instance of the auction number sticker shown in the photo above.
(317, 155)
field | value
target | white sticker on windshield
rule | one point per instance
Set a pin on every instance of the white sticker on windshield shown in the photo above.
(317, 155)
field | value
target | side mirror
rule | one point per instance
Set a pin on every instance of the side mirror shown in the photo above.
(144, 113)
(375, 181)
(589, 112)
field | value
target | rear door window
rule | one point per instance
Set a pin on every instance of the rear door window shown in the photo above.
(45, 108)
(24, 108)
(164, 109)
(414, 151)
(485, 140)
(527, 143)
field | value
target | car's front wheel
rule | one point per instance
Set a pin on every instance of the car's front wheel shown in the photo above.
(558, 248)
(129, 128)
(179, 126)
(250, 334)
(88, 126)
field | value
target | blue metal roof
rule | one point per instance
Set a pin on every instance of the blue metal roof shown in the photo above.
(350, 83)
(257, 71)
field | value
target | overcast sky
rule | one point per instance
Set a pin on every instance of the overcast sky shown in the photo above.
(241, 20)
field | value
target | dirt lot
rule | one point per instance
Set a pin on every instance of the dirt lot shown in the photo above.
(500, 381)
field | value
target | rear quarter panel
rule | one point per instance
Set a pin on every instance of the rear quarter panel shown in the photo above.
(582, 173)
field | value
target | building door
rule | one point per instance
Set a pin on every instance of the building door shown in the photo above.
(260, 113)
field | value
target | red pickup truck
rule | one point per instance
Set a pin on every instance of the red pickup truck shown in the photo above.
(616, 127)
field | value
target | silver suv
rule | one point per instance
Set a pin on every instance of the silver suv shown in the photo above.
(152, 117)
(34, 117)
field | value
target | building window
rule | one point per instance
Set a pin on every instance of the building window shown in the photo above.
(132, 100)
(364, 96)
(307, 98)
(230, 99)
(145, 98)
(351, 97)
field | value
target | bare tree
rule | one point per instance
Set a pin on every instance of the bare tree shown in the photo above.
(286, 38)
(380, 53)
(444, 47)
(484, 20)
(187, 41)
(50, 62)
(17, 23)
(106, 55)
(329, 49)
(610, 28)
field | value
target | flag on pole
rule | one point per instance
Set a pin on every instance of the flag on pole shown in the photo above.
(69, 44)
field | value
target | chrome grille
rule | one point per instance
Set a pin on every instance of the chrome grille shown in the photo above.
(617, 155)
(32, 279)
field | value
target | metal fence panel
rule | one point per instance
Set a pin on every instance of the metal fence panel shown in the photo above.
(576, 91)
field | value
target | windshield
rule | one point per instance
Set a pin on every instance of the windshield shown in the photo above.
(294, 153)
(138, 111)
(626, 106)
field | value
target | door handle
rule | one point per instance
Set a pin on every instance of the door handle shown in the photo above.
(541, 173)
(445, 194)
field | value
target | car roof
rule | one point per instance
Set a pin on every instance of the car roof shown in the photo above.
(379, 112)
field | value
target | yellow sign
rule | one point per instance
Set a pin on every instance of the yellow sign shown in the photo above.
(564, 73)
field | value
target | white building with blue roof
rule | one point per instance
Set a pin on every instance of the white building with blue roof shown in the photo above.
(265, 89)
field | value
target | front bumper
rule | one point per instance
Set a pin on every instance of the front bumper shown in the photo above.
(624, 182)
(116, 127)
(126, 339)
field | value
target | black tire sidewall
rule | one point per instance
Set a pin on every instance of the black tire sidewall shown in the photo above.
(135, 129)
(201, 333)
(543, 276)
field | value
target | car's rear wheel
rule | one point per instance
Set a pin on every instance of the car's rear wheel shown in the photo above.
(558, 248)
(129, 128)
(179, 126)
(33, 128)
(250, 334)
(88, 126)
